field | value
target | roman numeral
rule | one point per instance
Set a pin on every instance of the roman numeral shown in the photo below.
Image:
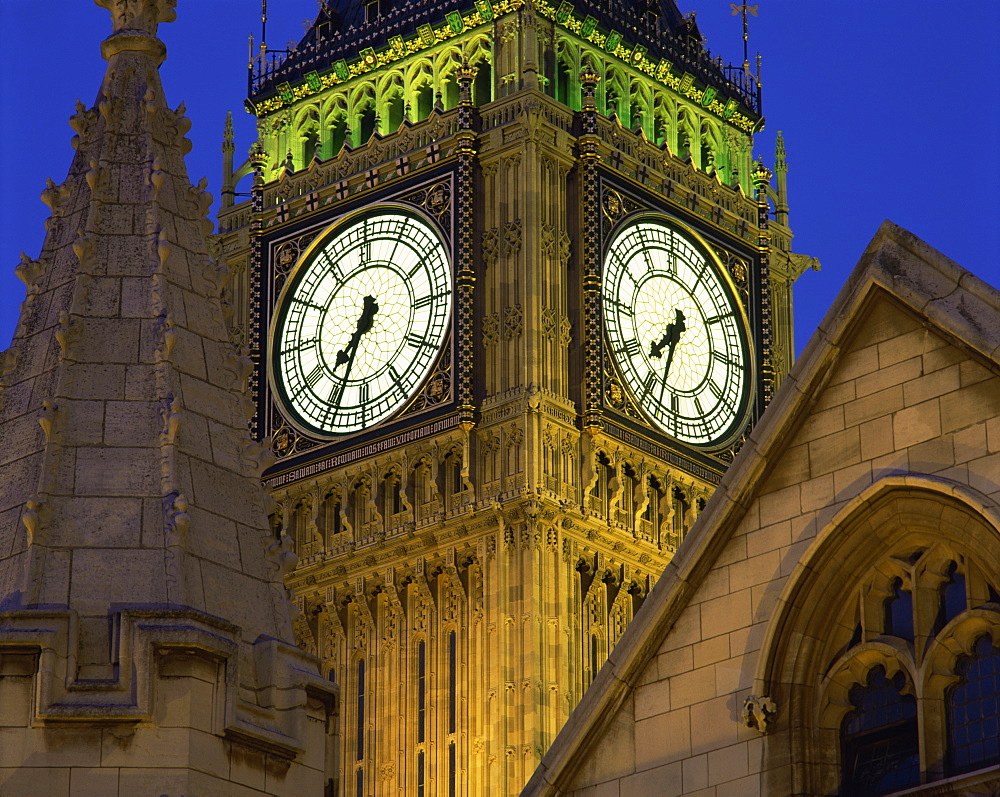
(674, 406)
(417, 342)
(723, 359)
(397, 386)
(314, 376)
(651, 379)
(297, 347)
(716, 390)
(423, 301)
(630, 347)
(363, 394)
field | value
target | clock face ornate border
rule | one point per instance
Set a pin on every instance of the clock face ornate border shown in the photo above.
(433, 199)
(627, 364)
(360, 321)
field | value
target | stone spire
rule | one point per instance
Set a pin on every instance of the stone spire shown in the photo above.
(131, 512)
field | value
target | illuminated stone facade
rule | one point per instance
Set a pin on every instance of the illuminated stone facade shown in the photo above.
(832, 624)
(466, 567)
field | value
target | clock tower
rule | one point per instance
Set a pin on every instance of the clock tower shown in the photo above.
(515, 292)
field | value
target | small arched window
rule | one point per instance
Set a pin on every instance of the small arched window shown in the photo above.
(879, 747)
(974, 710)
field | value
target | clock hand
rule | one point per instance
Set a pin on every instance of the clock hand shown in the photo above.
(346, 355)
(670, 340)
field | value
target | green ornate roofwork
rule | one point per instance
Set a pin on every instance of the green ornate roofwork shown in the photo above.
(354, 76)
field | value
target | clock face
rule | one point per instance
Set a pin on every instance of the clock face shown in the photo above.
(360, 322)
(676, 332)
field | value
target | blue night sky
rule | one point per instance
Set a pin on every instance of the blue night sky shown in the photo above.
(889, 109)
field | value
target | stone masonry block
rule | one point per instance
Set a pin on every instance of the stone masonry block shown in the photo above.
(727, 764)
(98, 381)
(712, 726)
(780, 505)
(711, 650)
(835, 395)
(931, 385)
(887, 377)
(115, 472)
(831, 453)
(851, 479)
(876, 437)
(98, 522)
(972, 372)
(652, 699)
(820, 424)
(104, 296)
(741, 787)
(695, 773)
(756, 570)
(793, 463)
(102, 576)
(970, 405)
(132, 423)
(816, 493)
(675, 661)
(108, 341)
(57, 747)
(662, 781)
(93, 782)
(662, 739)
(916, 424)
(685, 631)
(727, 613)
(932, 456)
(691, 687)
(901, 347)
(769, 538)
(34, 781)
(972, 442)
(854, 364)
(874, 405)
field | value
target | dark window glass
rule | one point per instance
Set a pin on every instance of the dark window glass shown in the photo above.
(593, 657)
(452, 680)
(367, 121)
(421, 691)
(361, 709)
(879, 738)
(451, 770)
(361, 783)
(951, 598)
(974, 710)
(420, 774)
(899, 612)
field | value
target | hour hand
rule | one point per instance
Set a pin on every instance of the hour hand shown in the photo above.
(365, 323)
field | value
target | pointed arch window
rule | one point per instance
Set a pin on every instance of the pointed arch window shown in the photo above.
(879, 737)
(899, 611)
(951, 597)
(974, 710)
(421, 691)
(361, 711)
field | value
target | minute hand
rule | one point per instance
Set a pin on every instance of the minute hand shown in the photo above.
(347, 354)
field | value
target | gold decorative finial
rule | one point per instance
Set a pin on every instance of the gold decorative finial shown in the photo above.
(139, 15)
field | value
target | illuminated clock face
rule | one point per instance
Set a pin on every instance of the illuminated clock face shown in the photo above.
(360, 322)
(676, 332)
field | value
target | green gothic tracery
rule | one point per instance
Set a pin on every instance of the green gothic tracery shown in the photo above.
(350, 109)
